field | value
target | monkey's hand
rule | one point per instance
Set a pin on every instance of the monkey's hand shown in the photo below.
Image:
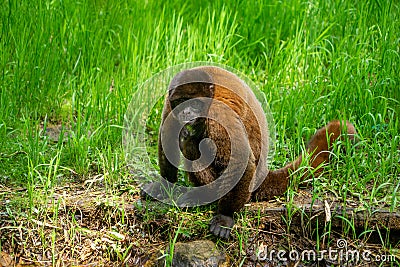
(156, 190)
(147, 188)
(221, 225)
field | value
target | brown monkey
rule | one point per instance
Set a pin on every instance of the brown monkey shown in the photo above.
(197, 100)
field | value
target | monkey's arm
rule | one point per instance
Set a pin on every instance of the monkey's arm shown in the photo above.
(168, 150)
(167, 169)
(168, 146)
(318, 147)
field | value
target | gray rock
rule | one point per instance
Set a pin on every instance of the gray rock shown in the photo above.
(199, 253)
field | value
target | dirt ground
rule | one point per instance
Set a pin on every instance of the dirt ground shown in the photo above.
(82, 225)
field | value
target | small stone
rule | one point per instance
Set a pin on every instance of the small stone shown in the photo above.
(6, 260)
(199, 253)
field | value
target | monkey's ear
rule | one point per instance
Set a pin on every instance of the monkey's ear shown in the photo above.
(171, 90)
(211, 89)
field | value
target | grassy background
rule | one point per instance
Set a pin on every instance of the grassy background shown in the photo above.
(76, 64)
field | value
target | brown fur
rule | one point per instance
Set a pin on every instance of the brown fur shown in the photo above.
(236, 94)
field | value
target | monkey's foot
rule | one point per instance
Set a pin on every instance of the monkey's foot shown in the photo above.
(221, 225)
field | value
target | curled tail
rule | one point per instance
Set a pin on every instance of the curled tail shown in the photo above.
(318, 147)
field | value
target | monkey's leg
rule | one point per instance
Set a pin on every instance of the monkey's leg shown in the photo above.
(232, 202)
(198, 197)
(275, 184)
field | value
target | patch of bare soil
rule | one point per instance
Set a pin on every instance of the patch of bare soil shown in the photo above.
(79, 228)
(88, 227)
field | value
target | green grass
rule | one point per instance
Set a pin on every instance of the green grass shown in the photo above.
(78, 63)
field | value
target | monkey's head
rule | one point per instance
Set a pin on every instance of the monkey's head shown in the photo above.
(190, 94)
